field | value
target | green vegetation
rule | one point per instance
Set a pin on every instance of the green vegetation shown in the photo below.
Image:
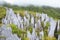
(2, 13)
(23, 33)
(2, 37)
(47, 10)
(52, 12)
(30, 29)
(37, 31)
(45, 29)
(49, 38)
(20, 33)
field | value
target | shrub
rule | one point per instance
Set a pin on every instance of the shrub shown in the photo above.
(48, 38)
(30, 29)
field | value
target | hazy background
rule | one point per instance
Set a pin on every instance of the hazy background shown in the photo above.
(53, 3)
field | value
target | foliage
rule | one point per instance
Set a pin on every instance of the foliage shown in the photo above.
(58, 32)
(45, 9)
(42, 24)
(20, 33)
(31, 9)
(30, 29)
(2, 37)
(2, 13)
(38, 31)
(48, 38)
(47, 24)
(45, 28)
(25, 38)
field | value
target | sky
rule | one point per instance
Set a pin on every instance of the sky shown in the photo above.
(53, 3)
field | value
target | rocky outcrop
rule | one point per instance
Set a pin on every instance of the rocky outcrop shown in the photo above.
(26, 21)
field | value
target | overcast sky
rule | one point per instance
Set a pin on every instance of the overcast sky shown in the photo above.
(53, 3)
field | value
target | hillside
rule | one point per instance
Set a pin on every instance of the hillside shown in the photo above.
(29, 27)
(50, 11)
(45, 9)
(29, 22)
